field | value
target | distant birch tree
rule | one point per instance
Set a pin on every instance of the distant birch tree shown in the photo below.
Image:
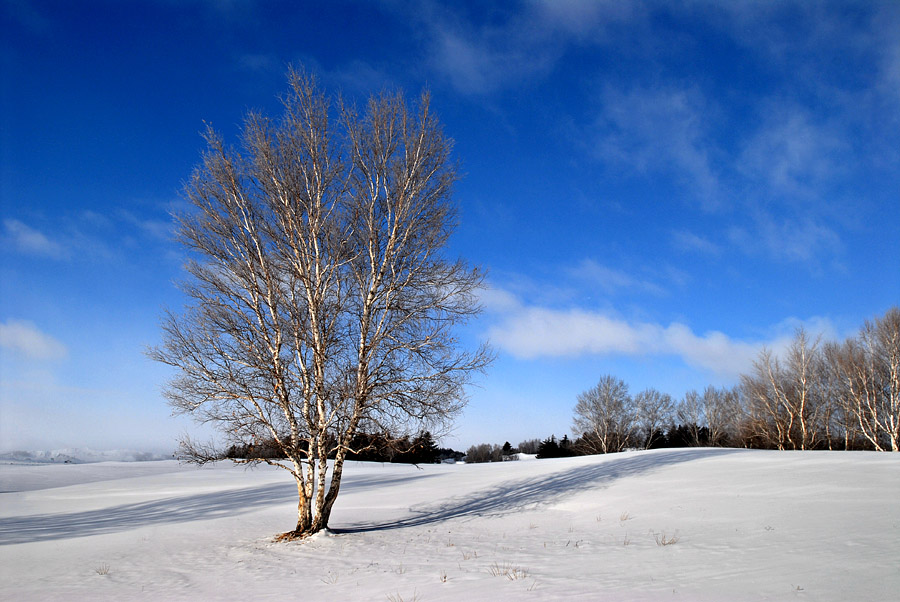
(842, 428)
(605, 417)
(785, 398)
(690, 414)
(721, 409)
(322, 304)
(867, 372)
(654, 416)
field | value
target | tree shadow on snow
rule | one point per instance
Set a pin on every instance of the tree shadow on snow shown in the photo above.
(46, 527)
(217, 504)
(509, 496)
(535, 492)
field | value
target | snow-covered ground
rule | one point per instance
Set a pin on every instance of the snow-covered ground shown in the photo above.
(740, 525)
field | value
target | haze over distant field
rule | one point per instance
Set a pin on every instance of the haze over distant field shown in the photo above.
(657, 191)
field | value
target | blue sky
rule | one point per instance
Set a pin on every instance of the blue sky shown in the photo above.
(656, 191)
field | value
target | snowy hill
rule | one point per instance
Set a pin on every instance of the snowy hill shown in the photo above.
(694, 524)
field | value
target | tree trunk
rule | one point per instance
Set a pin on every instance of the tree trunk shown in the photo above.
(304, 512)
(324, 513)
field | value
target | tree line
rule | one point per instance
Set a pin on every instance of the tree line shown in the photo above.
(816, 395)
(368, 447)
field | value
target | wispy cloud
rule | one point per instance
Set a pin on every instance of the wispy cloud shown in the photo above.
(87, 235)
(686, 241)
(25, 239)
(583, 18)
(801, 239)
(481, 56)
(888, 37)
(611, 280)
(23, 339)
(484, 59)
(161, 229)
(259, 62)
(362, 77)
(28, 16)
(792, 154)
(648, 129)
(789, 162)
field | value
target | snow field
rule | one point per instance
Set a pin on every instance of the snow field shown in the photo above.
(695, 524)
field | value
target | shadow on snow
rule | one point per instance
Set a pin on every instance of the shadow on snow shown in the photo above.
(506, 497)
(515, 495)
(217, 504)
(46, 527)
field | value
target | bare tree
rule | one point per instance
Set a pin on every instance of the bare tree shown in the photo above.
(529, 446)
(785, 399)
(322, 304)
(805, 392)
(766, 422)
(881, 341)
(867, 370)
(483, 452)
(604, 416)
(840, 416)
(721, 409)
(690, 414)
(654, 415)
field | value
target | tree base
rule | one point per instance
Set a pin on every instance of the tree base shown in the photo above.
(291, 536)
(297, 534)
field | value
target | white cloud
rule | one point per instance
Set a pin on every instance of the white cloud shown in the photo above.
(541, 332)
(23, 339)
(498, 300)
(712, 351)
(26, 239)
(534, 332)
